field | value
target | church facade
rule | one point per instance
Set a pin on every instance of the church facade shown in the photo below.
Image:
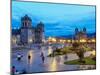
(30, 34)
(80, 34)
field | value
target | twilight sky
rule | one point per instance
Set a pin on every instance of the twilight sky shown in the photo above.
(58, 19)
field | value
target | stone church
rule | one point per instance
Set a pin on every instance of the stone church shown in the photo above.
(80, 34)
(30, 34)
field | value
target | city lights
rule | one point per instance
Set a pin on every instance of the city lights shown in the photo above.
(30, 40)
(31, 55)
(50, 39)
(93, 40)
(93, 53)
(53, 65)
(54, 39)
(69, 41)
(83, 40)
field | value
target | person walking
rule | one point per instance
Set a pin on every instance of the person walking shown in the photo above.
(19, 56)
(42, 57)
(29, 57)
(13, 70)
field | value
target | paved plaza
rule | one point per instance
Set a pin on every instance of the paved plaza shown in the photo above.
(35, 64)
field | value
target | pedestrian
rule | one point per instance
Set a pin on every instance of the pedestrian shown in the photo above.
(42, 56)
(29, 57)
(13, 70)
(19, 57)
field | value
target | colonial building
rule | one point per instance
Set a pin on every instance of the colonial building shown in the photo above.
(80, 34)
(39, 33)
(30, 34)
(15, 37)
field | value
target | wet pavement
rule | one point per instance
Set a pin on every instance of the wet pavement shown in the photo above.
(35, 63)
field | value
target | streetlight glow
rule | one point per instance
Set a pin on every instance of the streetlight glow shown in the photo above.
(83, 40)
(93, 40)
(30, 40)
(93, 53)
(69, 41)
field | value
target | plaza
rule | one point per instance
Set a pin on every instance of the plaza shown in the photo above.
(51, 64)
(60, 38)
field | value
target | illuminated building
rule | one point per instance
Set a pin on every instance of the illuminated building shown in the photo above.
(28, 33)
(81, 35)
(26, 30)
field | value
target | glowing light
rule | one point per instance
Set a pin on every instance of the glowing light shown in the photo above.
(93, 40)
(49, 50)
(31, 55)
(69, 41)
(53, 65)
(64, 40)
(61, 40)
(54, 39)
(89, 41)
(82, 40)
(30, 40)
(93, 53)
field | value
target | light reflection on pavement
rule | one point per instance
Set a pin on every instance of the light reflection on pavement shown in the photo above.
(35, 64)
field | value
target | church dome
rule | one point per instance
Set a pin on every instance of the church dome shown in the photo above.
(26, 17)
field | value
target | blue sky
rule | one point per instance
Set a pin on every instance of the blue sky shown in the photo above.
(58, 19)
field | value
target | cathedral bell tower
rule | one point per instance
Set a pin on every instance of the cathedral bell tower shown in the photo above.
(39, 33)
(26, 30)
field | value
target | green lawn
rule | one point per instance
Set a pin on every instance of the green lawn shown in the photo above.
(88, 61)
(62, 51)
(66, 50)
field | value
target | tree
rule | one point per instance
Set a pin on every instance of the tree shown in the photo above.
(79, 50)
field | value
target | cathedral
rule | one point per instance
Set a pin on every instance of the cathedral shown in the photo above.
(80, 34)
(30, 34)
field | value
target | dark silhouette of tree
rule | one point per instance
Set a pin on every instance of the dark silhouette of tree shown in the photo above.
(79, 50)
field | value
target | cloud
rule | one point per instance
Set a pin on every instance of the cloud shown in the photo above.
(58, 19)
